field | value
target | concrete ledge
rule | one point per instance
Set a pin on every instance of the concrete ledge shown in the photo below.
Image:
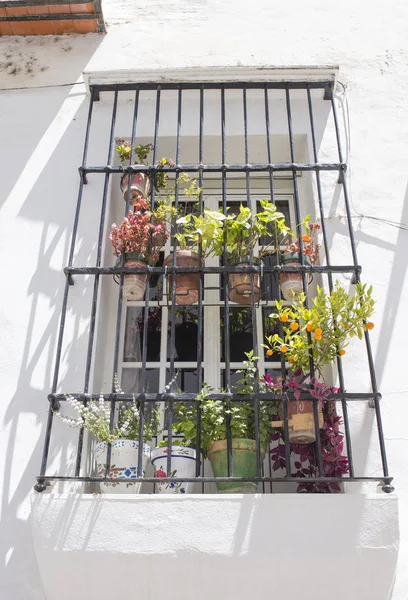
(221, 547)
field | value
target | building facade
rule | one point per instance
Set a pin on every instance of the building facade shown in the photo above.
(303, 106)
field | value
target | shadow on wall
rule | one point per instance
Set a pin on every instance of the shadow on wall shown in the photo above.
(378, 242)
(43, 134)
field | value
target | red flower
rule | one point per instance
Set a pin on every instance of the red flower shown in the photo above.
(160, 473)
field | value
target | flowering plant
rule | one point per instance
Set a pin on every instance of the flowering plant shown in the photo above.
(138, 234)
(321, 332)
(310, 246)
(95, 417)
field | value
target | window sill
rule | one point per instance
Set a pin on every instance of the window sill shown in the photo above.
(232, 546)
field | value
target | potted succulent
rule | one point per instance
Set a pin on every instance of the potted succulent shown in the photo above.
(183, 464)
(291, 284)
(213, 431)
(139, 239)
(140, 183)
(192, 233)
(242, 232)
(321, 333)
(94, 416)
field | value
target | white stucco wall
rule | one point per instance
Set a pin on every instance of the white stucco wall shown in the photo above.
(41, 135)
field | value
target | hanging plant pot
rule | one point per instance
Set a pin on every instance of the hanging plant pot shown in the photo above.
(134, 285)
(124, 459)
(187, 284)
(183, 464)
(186, 336)
(240, 283)
(291, 284)
(243, 465)
(301, 423)
(140, 185)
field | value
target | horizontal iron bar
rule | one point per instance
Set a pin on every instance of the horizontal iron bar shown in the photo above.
(213, 479)
(197, 85)
(52, 17)
(219, 269)
(245, 168)
(191, 397)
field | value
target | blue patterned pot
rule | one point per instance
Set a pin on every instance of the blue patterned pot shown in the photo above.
(183, 464)
(124, 458)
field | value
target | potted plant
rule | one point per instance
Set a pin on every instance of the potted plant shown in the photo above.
(183, 465)
(140, 183)
(213, 431)
(242, 232)
(334, 462)
(138, 239)
(192, 233)
(320, 333)
(94, 416)
(291, 284)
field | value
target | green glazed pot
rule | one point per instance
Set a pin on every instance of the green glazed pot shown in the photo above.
(243, 465)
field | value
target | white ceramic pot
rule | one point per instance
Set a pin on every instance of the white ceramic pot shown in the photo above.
(183, 464)
(124, 458)
(141, 185)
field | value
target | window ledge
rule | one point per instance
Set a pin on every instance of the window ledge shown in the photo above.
(213, 546)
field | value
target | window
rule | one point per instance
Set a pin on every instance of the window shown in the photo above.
(243, 143)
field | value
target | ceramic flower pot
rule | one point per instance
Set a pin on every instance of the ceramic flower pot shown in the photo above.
(134, 285)
(124, 459)
(183, 464)
(243, 465)
(240, 283)
(187, 284)
(140, 185)
(291, 284)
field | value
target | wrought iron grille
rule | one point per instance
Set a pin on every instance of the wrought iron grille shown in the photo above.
(233, 103)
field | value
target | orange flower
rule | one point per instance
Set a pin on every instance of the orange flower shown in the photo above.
(310, 327)
(284, 318)
(306, 238)
(294, 326)
(269, 352)
(284, 349)
(342, 352)
(370, 325)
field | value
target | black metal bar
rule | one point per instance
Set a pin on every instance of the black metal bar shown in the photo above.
(191, 397)
(200, 296)
(347, 432)
(211, 85)
(96, 289)
(219, 269)
(227, 371)
(221, 479)
(57, 363)
(228, 168)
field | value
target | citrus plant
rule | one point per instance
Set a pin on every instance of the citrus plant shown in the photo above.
(321, 332)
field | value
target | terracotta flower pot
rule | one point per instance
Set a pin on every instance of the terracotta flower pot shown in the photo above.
(240, 283)
(243, 465)
(187, 284)
(134, 285)
(141, 185)
(291, 284)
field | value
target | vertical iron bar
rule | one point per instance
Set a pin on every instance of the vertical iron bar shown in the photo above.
(330, 282)
(173, 291)
(226, 290)
(200, 295)
(95, 291)
(252, 276)
(357, 278)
